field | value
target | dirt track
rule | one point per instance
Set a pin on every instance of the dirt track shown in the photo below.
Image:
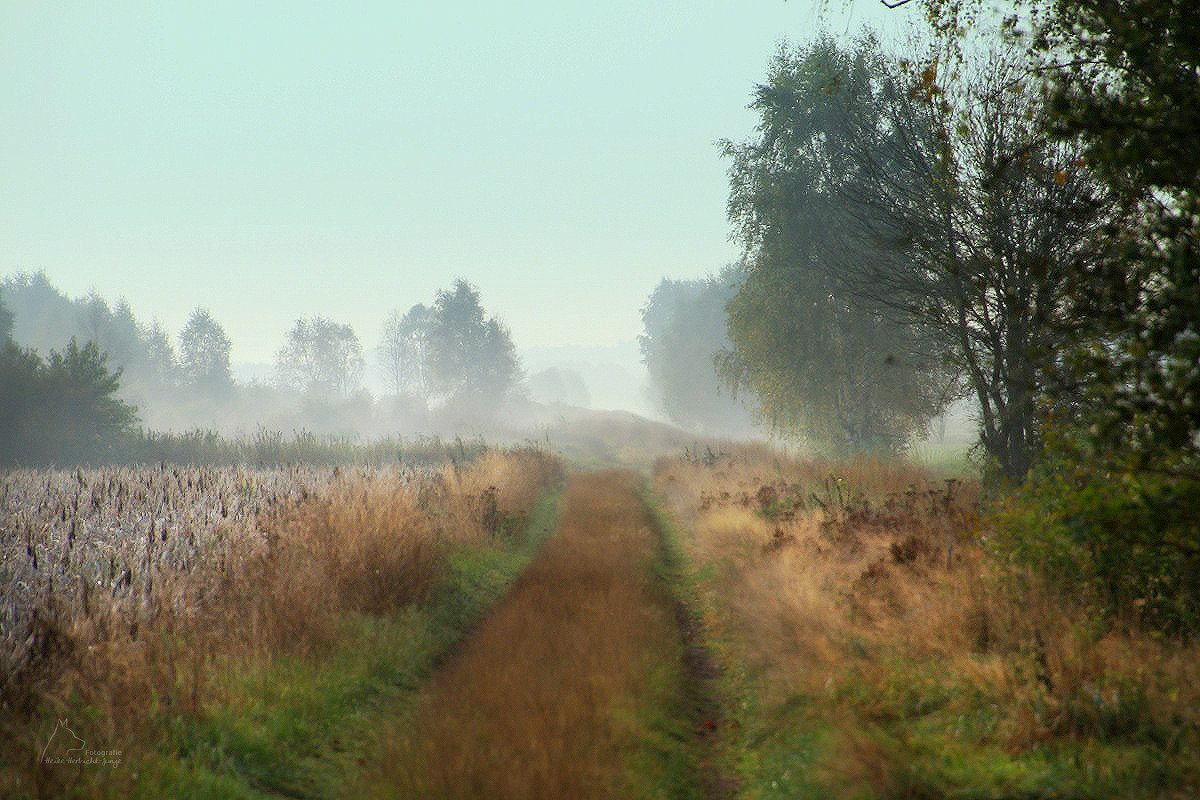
(552, 695)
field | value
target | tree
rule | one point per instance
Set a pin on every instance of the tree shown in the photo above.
(321, 358)
(945, 206)
(44, 317)
(1123, 82)
(6, 322)
(204, 353)
(992, 220)
(84, 414)
(404, 350)
(685, 329)
(472, 360)
(61, 411)
(160, 367)
(826, 360)
(20, 403)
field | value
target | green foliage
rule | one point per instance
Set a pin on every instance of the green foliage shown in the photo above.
(1129, 541)
(1127, 90)
(61, 411)
(826, 359)
(684, 323)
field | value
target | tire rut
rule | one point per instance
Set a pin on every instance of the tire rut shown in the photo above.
(554, 692)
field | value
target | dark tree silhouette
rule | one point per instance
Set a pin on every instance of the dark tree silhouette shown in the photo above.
(61, 411)
(473, 363)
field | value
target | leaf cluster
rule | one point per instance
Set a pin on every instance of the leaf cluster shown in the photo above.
(1123, 81)
(60, 410)
(1127, 541)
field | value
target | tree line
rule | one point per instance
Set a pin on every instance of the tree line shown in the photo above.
(77, 403)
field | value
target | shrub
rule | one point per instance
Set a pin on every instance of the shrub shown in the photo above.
(1128, 541)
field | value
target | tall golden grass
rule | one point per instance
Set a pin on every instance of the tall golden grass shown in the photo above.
(867, 585)
(124, 585)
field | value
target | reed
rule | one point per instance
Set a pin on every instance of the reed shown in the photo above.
(122, 587)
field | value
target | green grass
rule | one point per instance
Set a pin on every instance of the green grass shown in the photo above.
(296, 727)
(673, 760)
(926, 737)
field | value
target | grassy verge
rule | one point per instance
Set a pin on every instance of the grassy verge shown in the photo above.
(297, 727)
(687, 753)
(740, 743)
(873, 649)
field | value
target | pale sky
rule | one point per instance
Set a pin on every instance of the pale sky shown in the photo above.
(277, 160)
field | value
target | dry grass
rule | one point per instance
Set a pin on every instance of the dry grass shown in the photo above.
(122, 587)
(541, 702)
(865, 588)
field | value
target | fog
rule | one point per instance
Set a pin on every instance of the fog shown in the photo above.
(298, 221)
(325, 381)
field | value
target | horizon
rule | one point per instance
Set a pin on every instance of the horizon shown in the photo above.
(271, 167)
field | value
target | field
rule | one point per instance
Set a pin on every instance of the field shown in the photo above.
(155, 605)
(728, 621)
(877, 647)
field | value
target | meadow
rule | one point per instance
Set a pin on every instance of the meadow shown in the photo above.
(877, 645)
(727, 621)
(149, 609)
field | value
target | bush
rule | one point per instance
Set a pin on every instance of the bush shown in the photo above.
(1127, 540)
(62, 410)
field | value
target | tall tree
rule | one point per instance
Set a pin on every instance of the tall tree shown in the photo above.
(684, 325)
(320, 357)
(473, 363)
(404, 350)
(44, 317)
(204, 350)
(161, 367)
(825, 360)
(85, 417)
(987, 221)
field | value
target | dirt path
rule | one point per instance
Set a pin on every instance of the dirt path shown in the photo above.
(572, 687)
